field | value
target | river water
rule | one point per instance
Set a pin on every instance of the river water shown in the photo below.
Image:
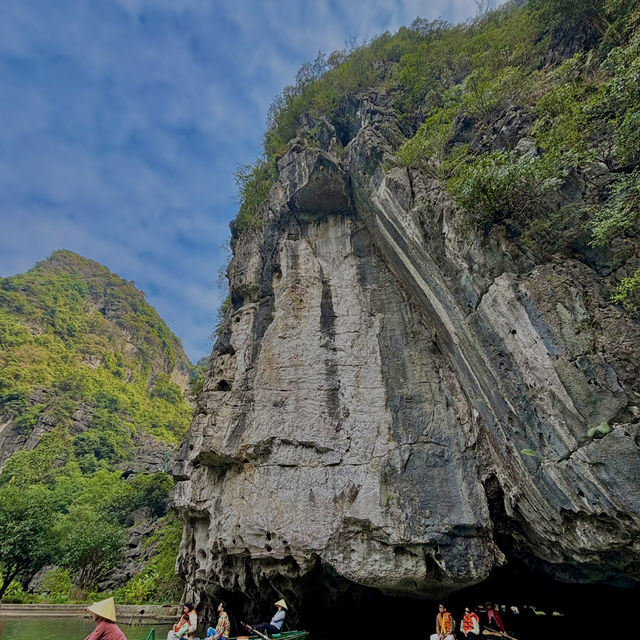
(67, 629)
(74, 629)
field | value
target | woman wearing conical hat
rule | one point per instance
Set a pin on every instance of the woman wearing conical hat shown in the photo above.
(275, 626)
(104, 615)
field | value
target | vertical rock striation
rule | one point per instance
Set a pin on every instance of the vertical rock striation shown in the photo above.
(401, 406)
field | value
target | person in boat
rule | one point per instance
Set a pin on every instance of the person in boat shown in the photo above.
(445, 625)
(104, 615)
(494, 621)
(275, 626)
(223, 626)
(187, 625)
(470, 624)
(182, 626)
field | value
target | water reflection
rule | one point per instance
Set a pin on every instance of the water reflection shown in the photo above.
(66, 629)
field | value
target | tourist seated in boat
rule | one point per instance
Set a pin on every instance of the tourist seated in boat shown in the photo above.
(223, 626)
(494, 620)
(187, 625)
(275, 626)
(445, 625)
(180, 627)
(104, 615)
(470, 624)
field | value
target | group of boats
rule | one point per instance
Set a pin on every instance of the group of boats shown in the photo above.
(285, 635)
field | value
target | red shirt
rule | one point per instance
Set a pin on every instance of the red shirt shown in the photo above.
(106, 630)
(492, 613)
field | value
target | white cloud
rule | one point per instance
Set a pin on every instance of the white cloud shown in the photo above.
(123, 122)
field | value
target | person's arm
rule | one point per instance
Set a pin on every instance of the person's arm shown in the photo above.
(193, 621)
(96, 634)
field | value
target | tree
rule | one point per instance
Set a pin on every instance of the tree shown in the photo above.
(152, 491)
(90, 545)
(498, 187)
(606, 18)
(26, 532)
(569, 13)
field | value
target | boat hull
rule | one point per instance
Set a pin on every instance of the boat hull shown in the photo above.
(286, 635)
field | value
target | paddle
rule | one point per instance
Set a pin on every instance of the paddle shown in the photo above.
(246, 626)
(498, 634)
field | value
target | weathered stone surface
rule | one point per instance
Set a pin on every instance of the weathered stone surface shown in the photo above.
(315, 185)
(138, 551)
(403, 405)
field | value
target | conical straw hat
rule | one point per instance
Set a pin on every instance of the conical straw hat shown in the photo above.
(105, 609)
(283, 604)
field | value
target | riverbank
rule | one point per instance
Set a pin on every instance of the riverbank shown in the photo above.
(129, 613)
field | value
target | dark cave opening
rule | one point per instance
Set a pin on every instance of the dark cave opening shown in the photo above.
(532, 605)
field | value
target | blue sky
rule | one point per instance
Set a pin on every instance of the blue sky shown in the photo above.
(122, 122)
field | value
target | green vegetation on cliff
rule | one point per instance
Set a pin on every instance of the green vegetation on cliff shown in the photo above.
(89, 379)
(566, 74)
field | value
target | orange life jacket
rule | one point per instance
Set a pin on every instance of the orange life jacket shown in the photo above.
(445, 623)
(467, 621)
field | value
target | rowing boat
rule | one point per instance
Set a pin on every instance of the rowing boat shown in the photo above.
(285, 635)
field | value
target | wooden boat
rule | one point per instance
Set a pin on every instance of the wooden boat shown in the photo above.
(285, 635)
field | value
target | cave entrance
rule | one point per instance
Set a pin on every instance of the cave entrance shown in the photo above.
(533, 606)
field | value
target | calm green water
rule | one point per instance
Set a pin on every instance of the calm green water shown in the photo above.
(67, 629)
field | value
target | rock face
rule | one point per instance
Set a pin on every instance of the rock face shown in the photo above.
(400, 405)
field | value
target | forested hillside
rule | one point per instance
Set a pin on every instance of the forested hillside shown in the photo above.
(565, 73)
(92, 403)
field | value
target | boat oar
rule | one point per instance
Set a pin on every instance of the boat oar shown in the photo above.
(499, 634)
(246, 626)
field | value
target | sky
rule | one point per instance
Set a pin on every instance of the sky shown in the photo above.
(122, 121)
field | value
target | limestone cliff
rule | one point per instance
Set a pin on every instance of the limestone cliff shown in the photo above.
(399, 404)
